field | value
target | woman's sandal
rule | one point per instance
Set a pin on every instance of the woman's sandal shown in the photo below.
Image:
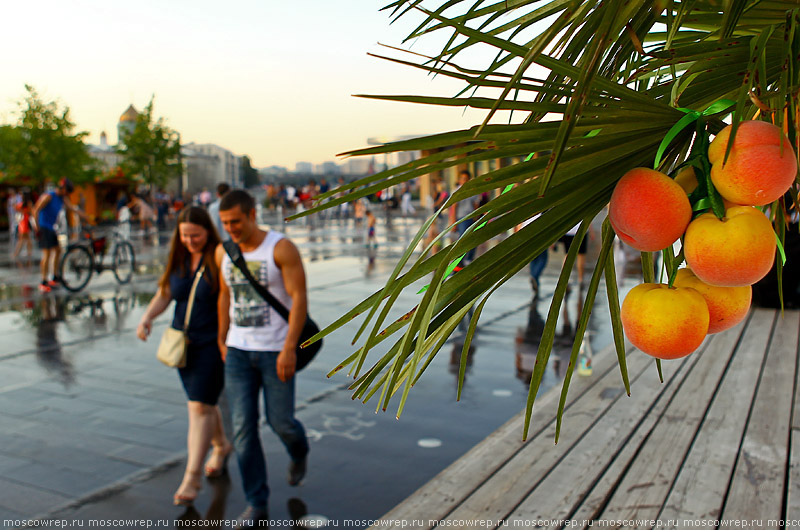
(193, 480)
(214, 471)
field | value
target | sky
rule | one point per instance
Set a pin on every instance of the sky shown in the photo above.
(271, 80)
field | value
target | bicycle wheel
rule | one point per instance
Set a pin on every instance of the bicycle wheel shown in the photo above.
(123, 261)
(76, 268)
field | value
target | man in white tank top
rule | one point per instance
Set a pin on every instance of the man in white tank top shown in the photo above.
(258, 346)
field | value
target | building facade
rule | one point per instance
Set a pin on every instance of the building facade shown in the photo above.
(207, 165)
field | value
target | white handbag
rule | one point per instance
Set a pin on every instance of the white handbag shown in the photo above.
(172, 348)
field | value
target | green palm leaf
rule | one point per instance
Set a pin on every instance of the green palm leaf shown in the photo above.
(616, 73)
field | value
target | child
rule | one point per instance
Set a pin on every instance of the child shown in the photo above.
(371, 221)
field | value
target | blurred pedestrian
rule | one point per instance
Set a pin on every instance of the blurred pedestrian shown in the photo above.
(204, 197)
(538, 264)
(459, 211)
(12, 201)
(192, 253)
(406, 207)
(439, 196)
(213, 210)
(372, 241)
(45, 214)
(145, 212)
(24, 210)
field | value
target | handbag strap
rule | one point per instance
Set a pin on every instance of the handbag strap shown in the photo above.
(237, 258)
(191, 297)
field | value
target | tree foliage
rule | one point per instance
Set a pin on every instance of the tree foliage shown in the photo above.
(43, 145)
(249, 173)
(630, 83)
(151, 150)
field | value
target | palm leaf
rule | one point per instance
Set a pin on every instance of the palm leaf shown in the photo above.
(616, 71)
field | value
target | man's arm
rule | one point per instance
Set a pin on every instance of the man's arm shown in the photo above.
(223, 305)
(288, 260)
(73, 208)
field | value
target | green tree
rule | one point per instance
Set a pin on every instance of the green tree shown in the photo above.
(630, 83)
(249, 173)
(44, 146)
(151, 151)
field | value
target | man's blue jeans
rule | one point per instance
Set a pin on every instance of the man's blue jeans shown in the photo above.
(246, 373)
(461, 228)
(538, 264)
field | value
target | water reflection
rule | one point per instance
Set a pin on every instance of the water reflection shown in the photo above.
(457, 352)
(527, 344)
(528, 339)
(48, 349)
(372, 253)
(215, 515)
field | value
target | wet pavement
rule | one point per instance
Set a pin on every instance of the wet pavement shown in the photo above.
(92, 427)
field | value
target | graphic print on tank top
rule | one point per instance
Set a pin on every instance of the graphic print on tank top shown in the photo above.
(249, 309)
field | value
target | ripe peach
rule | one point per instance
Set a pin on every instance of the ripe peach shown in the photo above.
(664, 322)
(735, 251)
(648, 210)
(757, 172)
(727, 306)
(687, 179)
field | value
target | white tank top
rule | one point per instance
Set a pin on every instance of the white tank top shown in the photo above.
(255, 325)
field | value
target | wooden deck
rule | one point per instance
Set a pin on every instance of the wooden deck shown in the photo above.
(713, 445)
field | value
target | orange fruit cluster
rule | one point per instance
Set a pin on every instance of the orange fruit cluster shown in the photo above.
(649, 211)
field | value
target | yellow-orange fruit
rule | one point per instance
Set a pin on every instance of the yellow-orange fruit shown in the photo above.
(757, 172)
(735, 251)
(727, 306)
(648, 210)
(664, 322)
(687, 179)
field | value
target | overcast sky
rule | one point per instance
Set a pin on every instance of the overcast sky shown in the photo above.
(273, 80)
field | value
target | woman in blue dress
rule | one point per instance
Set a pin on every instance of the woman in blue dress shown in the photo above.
(193, 244)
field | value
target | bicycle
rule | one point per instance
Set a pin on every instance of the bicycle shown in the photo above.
(85, 257)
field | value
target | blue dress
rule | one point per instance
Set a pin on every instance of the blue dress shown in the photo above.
(204, 374)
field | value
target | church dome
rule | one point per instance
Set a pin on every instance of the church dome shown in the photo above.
(129, 115)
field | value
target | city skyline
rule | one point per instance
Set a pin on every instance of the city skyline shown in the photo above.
(267, 81)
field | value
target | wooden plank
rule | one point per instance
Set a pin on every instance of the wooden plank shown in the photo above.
(504, 490)
(439, 496)
(701, 484)
(757, 490)
(647, 483)
(563, 490)
(793, 487)
(602, 461)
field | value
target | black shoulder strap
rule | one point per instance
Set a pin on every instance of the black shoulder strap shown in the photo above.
(235, 253)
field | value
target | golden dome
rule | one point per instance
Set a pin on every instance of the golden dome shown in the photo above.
(129, 115)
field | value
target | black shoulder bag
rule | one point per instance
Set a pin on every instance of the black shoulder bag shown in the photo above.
(310, 328)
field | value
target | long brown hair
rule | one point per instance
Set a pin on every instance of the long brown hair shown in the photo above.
(178, 253)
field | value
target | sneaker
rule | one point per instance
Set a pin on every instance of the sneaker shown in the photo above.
(44, 288)
(253, 518)
(54, 283)
(297, 470)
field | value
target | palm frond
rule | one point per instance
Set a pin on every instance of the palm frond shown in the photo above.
(619, 75)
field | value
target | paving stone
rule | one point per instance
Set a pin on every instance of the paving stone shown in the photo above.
(27, 500)
(141, 455)
(142, 419)
(12, 519)
(9, 462)
(62, 481)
